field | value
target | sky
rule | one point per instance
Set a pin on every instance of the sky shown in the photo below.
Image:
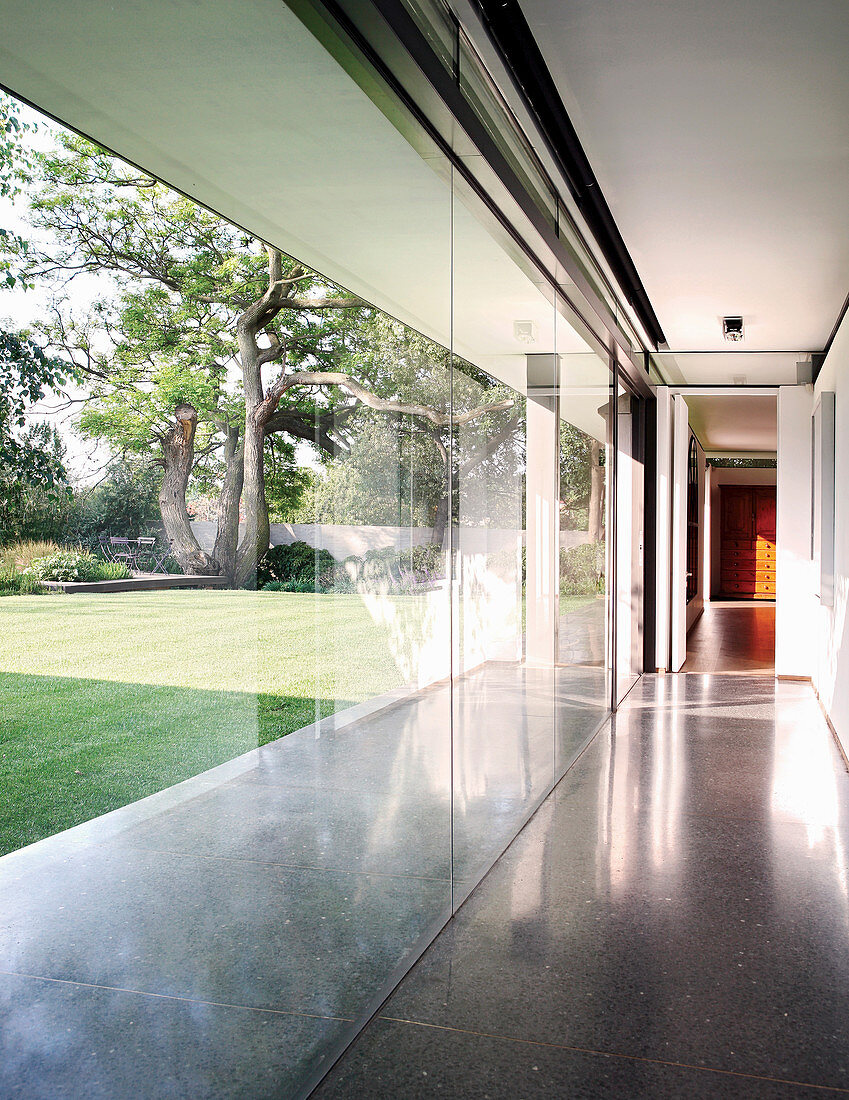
(20, 308)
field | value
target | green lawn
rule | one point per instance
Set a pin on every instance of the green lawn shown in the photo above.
(107, 698)
(575, 603)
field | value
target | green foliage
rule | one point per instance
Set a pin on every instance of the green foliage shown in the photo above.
(582, 570)
(285, 481)
(575, 474)
(182, 278)
(13, 583)
(743, 463)
(297, 564)
(30, 456)
(400, 570)
(298, 567)
(75, 565)
(168, 335)
(35, 507)
(21, 554)
(125, 503)
(14, 168)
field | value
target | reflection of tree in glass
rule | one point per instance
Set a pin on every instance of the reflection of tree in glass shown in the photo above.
(212, 344)
(581, 481)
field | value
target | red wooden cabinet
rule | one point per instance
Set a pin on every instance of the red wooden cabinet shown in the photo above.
(747, 541)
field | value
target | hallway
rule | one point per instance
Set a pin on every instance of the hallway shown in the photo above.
(674, 921)
(733, 636)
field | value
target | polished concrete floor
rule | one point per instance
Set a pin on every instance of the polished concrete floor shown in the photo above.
(733, 636)
(673, 922)
(222, 938)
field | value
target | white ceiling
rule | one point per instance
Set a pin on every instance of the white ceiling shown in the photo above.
(719, 133)
(742, 422)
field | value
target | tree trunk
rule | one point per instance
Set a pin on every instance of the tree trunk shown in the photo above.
(178, 449)
(440, 520)
(227, 537)
(258, 410)
(596, 505)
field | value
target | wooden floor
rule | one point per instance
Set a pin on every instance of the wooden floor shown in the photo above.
(733, 636)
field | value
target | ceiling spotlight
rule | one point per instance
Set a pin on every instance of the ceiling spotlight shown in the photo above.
(525, 331)
(732, 328)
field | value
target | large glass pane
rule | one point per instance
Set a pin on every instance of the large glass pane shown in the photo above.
(585, 473)
(504, 386)
(261, 693)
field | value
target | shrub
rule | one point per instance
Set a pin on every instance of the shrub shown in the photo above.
(298, 567)
(73, 565)
(582, 570)
(13, 583)
(400, 570)
(298, 563)
(291, 586)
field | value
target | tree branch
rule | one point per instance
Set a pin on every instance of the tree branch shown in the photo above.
(345, 382)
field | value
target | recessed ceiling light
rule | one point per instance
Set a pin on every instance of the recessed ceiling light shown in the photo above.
(732, 328)
(739, 379)
(525, 331)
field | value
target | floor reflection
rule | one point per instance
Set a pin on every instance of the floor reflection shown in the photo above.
(274, 894)
(672, 922)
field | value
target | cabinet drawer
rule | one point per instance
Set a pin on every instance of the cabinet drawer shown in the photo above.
(765, 588)
(739, 588)
(765, 543)
(732, 559)
(765, 555)
(738, 575)
(765, 576)
(738, 544)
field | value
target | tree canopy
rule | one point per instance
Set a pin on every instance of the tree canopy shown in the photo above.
(213, 355)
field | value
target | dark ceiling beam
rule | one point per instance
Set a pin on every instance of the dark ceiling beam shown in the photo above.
(512, 37)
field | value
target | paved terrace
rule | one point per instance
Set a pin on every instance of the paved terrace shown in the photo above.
(219, 939)
(673, 922)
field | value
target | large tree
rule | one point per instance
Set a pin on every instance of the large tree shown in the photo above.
(208, 344)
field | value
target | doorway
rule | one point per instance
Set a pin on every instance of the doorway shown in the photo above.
(724, 532)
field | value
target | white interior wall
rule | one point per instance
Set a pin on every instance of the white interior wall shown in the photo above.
(831, 629)
(720, 477)
(794, 605)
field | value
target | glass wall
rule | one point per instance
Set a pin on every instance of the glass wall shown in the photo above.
(373, 630)
(629, 542)
(586, 463)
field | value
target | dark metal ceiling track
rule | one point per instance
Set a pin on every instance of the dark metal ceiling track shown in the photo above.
(512, 37)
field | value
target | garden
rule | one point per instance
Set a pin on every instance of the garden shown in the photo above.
(195, 375)
(108, 698)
